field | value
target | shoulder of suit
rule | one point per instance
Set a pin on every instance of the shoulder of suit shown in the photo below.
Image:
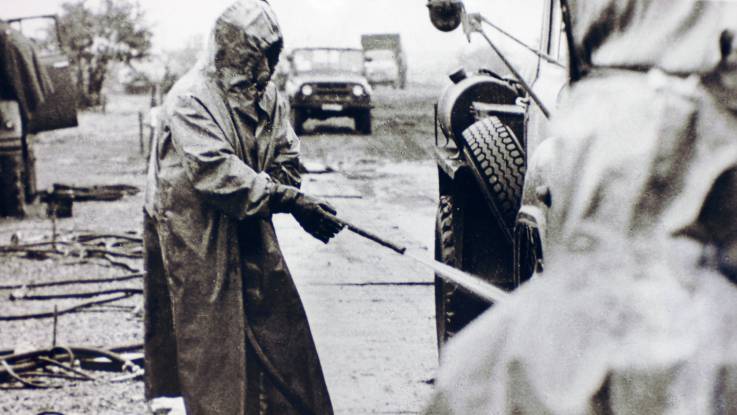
(190, 88)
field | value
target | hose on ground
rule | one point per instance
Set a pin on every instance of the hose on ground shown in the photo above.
(72, 282)
(88, 294)
(49, 314)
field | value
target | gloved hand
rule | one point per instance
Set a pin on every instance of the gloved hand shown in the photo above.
(315, 217)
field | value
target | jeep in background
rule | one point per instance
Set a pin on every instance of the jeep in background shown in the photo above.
(491, 124)
(325, 83)
(386, 63)
(37, 95)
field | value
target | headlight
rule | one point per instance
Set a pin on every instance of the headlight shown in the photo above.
(358, 90)
(306, 90)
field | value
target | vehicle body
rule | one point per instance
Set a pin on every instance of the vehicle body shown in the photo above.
(386, 62)
(325, 83)
(492, 124)
(36, 36)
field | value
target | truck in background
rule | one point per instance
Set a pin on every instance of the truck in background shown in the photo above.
(37, 94)
(386, 62)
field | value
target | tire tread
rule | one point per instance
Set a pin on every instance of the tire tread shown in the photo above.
(500, 159)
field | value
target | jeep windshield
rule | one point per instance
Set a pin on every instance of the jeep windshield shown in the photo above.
(328, 60)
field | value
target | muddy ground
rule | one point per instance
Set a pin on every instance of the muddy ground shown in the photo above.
(371, 311)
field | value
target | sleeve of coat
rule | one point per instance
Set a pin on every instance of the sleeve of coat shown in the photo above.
(210, 162)
(286, 165)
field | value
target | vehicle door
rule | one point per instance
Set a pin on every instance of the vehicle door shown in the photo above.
(551, 78)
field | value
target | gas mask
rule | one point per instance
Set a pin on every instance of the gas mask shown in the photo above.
(242, 69)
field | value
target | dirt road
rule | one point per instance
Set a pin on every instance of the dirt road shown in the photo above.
(371, 311)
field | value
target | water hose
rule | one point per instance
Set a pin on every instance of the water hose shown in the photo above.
(476, 285)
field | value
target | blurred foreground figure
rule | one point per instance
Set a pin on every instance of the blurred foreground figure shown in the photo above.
(225, 161)
(635, 312)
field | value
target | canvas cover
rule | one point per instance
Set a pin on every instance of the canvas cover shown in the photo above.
(22, 76)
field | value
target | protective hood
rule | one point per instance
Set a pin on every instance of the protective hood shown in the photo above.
(677, 36)
(237, 56)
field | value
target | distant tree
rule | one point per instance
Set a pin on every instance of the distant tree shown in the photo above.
(115, 31)
(180, 60)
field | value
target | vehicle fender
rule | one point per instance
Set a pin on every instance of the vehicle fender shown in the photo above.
(533, 224)
(450, 162)
(538, 194)
(455, 103)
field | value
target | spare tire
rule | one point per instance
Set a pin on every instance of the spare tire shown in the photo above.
(497, 160)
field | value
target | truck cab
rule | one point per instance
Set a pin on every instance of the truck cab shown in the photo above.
(386, 62)
(382, 68)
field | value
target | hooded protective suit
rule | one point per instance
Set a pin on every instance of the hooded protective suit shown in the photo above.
(225, 160)
(631, 314)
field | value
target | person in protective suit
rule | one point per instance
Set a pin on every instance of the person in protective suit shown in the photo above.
(224, 162)
(635, 192)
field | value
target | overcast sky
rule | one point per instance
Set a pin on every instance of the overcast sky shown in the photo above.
(326, 23)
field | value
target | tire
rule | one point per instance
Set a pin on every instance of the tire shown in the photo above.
(363, 122)
(12, 189)
(455, 308)
(298, 121)
(498, 161)
(445, 252)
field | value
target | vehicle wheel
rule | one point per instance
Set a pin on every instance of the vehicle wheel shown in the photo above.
(498, 162)
(455, 308)
(298, 121)
(445, 252)
(363, 122)
(12, 194)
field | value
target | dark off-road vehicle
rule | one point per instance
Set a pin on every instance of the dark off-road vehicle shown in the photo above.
(326, 83)
(37, 95)
(491, 123)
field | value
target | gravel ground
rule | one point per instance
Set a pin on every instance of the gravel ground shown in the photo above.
(374, 332)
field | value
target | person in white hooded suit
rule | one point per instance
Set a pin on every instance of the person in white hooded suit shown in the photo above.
(634, 312)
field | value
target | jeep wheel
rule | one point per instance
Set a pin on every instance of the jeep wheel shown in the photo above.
(298, 121)
(363, 122)
(455, 308)
(445, 252)
(498, 162)
(12, 194)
